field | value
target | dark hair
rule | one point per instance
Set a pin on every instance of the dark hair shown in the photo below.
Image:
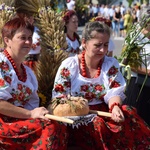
(97, 26)
(13, 25)
(68, 14)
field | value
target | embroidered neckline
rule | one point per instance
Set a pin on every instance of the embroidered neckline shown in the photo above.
(20, 77)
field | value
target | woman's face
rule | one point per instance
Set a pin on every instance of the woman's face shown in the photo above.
(72, 25)
(21, 42)
(97, 47)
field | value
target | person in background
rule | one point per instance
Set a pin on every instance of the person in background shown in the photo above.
(97, 78)
(32, 58)
(128, 21)
(111, 16)
(117, 16)
(90, 11)
(95, 8)
(142, 102)
(122, 9)
(23, 122)
(106, 11)
(133, 13)
(71, 4)
(121, 26)
(138, 11)
(71, 25)
(101, 10)
(111, 12)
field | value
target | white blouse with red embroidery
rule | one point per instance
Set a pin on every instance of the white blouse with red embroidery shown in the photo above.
(19, 93)
(73, 46)
(97, 90)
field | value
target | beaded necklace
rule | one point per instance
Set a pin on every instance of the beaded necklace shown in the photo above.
(21, 78)
(83, 66)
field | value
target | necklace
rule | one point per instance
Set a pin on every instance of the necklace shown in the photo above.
(83, 66)
(21, 78)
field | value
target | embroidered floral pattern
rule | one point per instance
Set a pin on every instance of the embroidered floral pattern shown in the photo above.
(112, 71)
(2, 83)
(4, 66)
(34, 45)
(66, 85)
(90, 92)
(20, 95)
(59, 88)
(105, 134)
(6, 71)
(65, 73)
(29, 133)
(114, 84)
(7, 79)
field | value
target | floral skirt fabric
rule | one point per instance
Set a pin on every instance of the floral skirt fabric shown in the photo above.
(33, 134)
(101, 134)
(140, 102)
(104, 134)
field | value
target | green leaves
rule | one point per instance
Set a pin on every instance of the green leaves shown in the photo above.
(133, 52)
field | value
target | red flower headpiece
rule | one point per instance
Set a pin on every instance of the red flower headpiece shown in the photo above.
(68, 14)
(102, 19)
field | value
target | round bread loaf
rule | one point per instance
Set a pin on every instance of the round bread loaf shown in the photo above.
(69, 106)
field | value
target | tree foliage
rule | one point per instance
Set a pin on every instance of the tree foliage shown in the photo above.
(130, 2)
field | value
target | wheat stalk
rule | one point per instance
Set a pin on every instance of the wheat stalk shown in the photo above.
(46, 71)
(51, 29)
(9, 3)
(32, 6)
(6, 14)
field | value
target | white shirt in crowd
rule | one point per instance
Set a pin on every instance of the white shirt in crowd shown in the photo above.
(71, 5)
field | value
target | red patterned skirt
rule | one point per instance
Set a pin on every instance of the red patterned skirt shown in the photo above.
(33, 134)
(101, 134)
(105, 134)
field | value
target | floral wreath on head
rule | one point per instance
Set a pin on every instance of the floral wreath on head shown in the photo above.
(102, 19)
(68, 14)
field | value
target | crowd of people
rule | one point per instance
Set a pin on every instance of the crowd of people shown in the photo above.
(120, 16)
(90, 72)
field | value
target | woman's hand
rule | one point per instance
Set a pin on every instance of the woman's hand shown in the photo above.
(39, 112)
(115, 108)
(117, 114)
(141, 71)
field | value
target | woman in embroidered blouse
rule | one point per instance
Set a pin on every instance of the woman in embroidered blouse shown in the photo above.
(97, 78)
(23, 124)
(71, 25)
